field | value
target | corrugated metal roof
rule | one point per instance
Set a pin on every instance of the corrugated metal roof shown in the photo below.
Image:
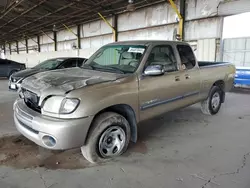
(27, 18)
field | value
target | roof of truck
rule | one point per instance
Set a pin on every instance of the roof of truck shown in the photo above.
(146, 42)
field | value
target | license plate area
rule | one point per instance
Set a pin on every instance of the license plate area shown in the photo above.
(12, 86)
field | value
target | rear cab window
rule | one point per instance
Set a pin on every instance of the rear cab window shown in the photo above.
(187, 56)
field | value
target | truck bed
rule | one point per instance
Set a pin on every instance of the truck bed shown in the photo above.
(210, 63)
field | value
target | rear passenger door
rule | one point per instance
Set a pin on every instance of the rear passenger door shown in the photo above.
(190, 74)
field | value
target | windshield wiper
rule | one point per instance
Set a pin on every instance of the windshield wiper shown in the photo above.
(88, 66)
(112, 68)
(102, 68)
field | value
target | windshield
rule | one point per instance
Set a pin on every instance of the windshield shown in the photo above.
(121, 58)
(49, 64)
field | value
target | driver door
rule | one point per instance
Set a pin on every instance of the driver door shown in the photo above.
(159, 94)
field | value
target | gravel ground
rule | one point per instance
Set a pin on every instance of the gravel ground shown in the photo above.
(181, 149)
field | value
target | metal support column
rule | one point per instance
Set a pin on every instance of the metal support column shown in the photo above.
(79, 37)
(26, 45)
(114, 24)
(112, 27)
(181, 22)
(55, 40)
(38, 44)
(182, 12)
(10, 48)
(78, 34)
(17, 47)
(4, 48)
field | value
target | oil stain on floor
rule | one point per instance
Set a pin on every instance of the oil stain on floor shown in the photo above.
(19, 152)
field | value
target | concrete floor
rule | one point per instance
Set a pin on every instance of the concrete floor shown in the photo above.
(182, 149)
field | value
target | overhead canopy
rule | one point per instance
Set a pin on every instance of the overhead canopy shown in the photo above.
(27, 18)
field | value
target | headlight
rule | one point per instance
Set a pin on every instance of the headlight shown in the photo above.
(68, 106)
(60, 105)
(53, 104)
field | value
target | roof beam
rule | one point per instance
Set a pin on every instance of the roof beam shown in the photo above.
(62, 20)
(26, 24)
(68, 18)
(85, 12)
(12, 7)
(23, 13)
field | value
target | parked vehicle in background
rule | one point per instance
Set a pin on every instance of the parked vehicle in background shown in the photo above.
(50, 64)
(242, 77)
(99, 106)
(9, 67)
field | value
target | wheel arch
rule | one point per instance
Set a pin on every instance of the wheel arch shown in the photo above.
(221, 85)
(127, 112)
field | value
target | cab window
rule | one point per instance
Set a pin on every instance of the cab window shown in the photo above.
(163, 55)
(186, 56)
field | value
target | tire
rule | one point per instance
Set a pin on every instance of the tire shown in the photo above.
(104, 125)
(208, 106)
(12, 72)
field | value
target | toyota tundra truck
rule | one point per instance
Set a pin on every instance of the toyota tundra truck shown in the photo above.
(98, 106)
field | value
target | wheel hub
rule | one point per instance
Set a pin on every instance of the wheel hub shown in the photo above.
(109, 141)
(112, 142)
(215, 100)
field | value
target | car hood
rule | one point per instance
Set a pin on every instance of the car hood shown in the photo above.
(25, 73)
(59, 82)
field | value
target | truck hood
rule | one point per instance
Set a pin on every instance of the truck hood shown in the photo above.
(25, 73)
(59, 82)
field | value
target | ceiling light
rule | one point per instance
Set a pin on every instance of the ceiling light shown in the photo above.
(131, 6)
(18, 9)
(54, 28)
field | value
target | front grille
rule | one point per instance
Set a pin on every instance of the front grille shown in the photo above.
(31, 100)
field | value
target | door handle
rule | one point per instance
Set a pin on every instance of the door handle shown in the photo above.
(177, 78)
(187, 76)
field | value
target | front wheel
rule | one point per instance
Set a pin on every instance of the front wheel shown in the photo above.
(212, 104)
(109, 137)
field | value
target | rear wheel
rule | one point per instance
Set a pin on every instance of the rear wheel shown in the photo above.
(212, 104)
(108, 138)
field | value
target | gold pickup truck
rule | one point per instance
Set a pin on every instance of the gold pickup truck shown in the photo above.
(98, 106)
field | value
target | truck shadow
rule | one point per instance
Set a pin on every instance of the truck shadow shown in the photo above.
(19, 152)
(168, 125)
(241, 90)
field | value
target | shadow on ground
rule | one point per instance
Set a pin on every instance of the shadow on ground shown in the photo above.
(19, 152)
(240, 90)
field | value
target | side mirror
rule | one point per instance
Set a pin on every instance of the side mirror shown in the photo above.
(154, 70)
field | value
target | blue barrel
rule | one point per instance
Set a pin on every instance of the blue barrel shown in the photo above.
(242, 76)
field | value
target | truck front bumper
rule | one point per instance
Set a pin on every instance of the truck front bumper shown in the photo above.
(51, 133)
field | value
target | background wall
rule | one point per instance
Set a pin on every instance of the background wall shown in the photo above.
(203, 29)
